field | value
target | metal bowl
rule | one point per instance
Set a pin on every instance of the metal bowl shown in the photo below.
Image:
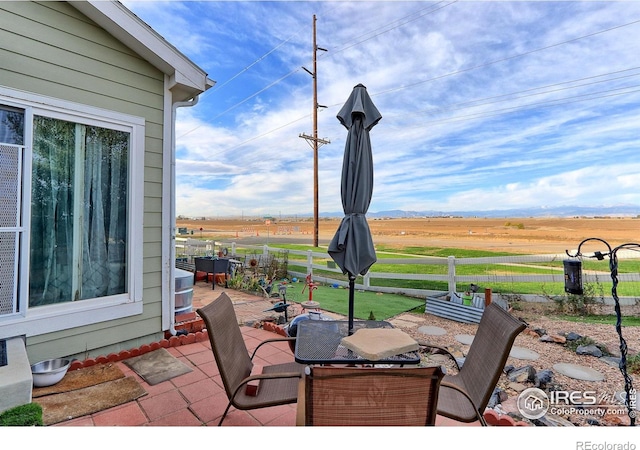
(50, 371)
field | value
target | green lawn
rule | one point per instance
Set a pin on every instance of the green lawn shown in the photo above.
(609, 319)
(383, 306)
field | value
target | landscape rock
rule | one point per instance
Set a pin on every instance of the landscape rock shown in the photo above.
(571, 336)
(530, 332)
(497, 397)
(553, 338)
(522, 375)
(590, 350)
(540, 331)
(543, 378)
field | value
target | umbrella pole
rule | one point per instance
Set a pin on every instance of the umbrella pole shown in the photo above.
(352, 286)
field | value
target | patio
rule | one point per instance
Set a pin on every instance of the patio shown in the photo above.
(198, 398)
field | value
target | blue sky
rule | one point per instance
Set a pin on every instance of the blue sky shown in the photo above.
(485, 105)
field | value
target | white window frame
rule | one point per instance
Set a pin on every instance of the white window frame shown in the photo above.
(51, 318)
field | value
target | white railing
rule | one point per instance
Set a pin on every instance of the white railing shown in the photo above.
(321, 261)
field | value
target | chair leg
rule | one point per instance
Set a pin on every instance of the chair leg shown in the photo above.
(225, 413)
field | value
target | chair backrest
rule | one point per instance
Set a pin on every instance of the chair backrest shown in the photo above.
(488, 353)
(362, 396)
(229, 349)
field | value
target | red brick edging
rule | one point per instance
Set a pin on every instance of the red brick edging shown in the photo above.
(190, 328)
(502, 420)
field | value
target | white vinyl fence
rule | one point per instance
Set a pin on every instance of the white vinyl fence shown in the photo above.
(504, 270)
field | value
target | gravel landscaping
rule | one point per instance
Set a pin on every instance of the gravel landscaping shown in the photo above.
(540, 319)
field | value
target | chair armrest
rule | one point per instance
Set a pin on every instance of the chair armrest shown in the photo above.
(280, 339)
(466, 394)
(446, 352)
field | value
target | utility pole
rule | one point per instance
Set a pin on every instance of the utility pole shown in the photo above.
(314, 141)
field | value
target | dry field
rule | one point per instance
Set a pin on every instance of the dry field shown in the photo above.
(518, 235)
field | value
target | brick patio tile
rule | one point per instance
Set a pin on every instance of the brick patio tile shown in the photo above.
(200, 390)
(190, 349)
(163, 404)
(210, 409)
(195, 375)
(182, 418)
(202, 357)
(210, 369)
(127, 415)
(237, 418)
(278, 358)
(266, 415)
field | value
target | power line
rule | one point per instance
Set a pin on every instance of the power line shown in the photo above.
(218, 87)
(528, 93)
(398, 22)
(392, 26)
(507, 58)
(550, 103)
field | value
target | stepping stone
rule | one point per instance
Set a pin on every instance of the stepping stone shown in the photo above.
(432, 331)
(465, 339)
(523, 353)
(578, 372)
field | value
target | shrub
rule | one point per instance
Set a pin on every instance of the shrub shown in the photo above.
(581, 305)
(633, 364)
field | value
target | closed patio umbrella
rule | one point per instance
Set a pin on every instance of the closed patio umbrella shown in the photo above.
(352, 247)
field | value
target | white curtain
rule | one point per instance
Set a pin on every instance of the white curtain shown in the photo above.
(78, 212)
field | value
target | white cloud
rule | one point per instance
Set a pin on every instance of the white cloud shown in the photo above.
(481, 103)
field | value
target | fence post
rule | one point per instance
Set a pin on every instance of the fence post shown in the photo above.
(310, 262)
(265, 250)
(233, 248)
(366, 280)
(451, 273)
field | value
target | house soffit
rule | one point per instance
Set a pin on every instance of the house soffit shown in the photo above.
(186, 78)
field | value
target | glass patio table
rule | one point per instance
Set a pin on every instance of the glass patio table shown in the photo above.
(318, 342)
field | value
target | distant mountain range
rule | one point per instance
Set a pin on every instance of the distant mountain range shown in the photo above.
(557, 211)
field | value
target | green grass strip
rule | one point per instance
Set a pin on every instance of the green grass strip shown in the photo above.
(336, 300)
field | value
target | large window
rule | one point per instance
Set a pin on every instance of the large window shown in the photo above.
(71, 216)
(79, 221)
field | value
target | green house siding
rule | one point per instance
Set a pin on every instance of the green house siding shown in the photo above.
(51, 49)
